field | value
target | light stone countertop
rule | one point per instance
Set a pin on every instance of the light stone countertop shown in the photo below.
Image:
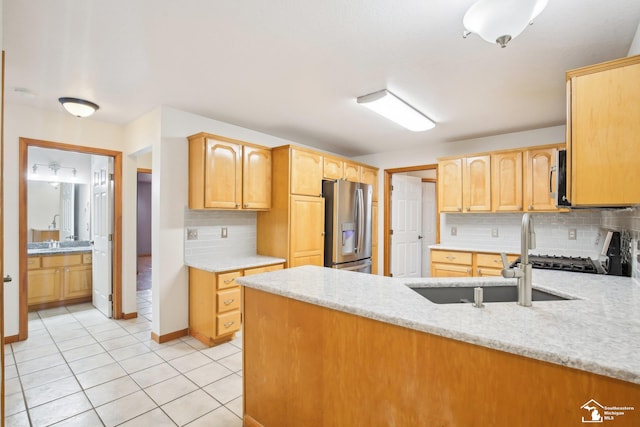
(597, 332)
(58, 251)
(217, 264)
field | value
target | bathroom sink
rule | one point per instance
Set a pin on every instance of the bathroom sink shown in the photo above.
(464, 294)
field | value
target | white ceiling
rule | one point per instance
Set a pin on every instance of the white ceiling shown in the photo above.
(293, 68)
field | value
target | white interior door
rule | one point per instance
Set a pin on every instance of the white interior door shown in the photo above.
(102, 232)
(429, 215)
(406, 223)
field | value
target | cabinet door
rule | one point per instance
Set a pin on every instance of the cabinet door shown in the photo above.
(76, 281)
(450, 270)
(604, 127)
(332, 168)
(506, 181)
(476, 184)
(307, 231)
(222, 175)
(256, 180)
(370, 176)
(351, 172)
(537, 184)
(450, 185)
(306, 173)
(44, 285)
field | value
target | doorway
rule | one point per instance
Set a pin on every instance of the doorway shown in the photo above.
(418, 226)
(115, 216)
(143, 244)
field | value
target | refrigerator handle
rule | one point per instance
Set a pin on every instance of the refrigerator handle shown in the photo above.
(360, 219)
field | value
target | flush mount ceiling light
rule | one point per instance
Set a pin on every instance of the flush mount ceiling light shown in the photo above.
(78, 107)
(499, 21)
(393, 108)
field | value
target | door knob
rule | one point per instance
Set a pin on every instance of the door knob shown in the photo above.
(419, 237)
(7, 278)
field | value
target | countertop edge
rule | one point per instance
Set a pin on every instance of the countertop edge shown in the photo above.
(221, 264)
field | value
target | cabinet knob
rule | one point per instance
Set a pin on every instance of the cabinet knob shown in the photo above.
(246, 205)
(530, 207)
(468, 209)
(519, 208)
(228, 324)
(459, 209)
(237, 205)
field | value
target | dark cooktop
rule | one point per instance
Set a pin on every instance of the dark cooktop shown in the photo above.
(564, 263)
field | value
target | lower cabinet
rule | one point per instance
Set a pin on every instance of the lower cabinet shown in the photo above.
(215, 302)
(445, 263)
(58, 279)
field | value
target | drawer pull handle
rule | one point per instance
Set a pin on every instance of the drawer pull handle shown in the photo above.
(229, 301)
(450, 257)
(228, 324)
(229, 281)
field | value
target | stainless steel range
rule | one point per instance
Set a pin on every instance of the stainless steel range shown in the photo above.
(564, 263)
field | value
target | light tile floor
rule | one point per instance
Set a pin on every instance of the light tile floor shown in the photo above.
(79, 368)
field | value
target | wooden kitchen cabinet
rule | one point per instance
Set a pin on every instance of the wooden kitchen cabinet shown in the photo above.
(451, 263)
(332, 168)
(450, 185)
(215, 303)
(351, 172)
(306, 172)
(58, 279)
(603, 125)
(307, 231)
(228, 174)
(476, 184)
(506, 181)
(539, 181)
(447, 263)
(490, 264)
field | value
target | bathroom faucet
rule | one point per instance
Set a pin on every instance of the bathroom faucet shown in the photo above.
(523, 270)
(53, 223)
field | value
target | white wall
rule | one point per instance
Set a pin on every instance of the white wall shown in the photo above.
(635, 44)
(22, 121)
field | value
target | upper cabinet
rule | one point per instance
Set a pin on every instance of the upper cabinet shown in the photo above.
(501, 181)
(228, 174)
(506, 181)
(370, 176)
(333, 168)
(602, 134)
(306, 172)
(351, 172)
(476, 184)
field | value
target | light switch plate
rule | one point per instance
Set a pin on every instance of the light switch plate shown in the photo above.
(454, 231)
(494, 232)
(572, 234)
(192, 234)
(223, 233)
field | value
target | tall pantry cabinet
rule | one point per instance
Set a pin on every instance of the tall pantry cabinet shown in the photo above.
(294, 227)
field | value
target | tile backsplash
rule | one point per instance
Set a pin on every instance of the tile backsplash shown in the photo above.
(241, 233)
(552, 231)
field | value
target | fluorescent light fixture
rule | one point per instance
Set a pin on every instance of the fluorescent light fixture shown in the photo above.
(78, 107)
(393, 108)
(499, 21)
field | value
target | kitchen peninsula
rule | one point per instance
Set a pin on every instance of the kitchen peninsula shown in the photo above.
(329, 347)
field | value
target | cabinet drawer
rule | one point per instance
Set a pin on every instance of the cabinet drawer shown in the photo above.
(33, 262)
(87, 258)
(228, 280)
(493, 260)
(228, 299)
(61, 260)
(451, 257)
(228, 322)
(265, 269)
(450, 270)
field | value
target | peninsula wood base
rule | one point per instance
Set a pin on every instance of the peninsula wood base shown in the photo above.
(306, 365)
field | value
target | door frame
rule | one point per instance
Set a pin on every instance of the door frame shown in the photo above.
(387, 210)
(23, 168)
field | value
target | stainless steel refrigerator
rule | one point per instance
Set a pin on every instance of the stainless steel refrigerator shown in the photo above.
(347, 237)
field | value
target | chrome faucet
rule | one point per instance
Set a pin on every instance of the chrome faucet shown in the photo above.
(523, 270)
(53, 223)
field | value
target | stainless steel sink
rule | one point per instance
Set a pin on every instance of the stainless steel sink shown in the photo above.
(464, 294)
